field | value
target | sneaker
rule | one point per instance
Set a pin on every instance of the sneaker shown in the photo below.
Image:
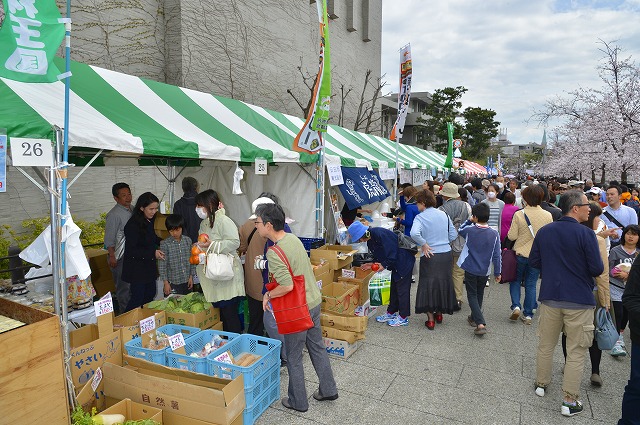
(596, 380)
(621, 341)
(386, 317)
(618, 351)
(526, 320)
(515, 313)
(570, 409)
(539, 391)
(398, 321)
(487, 284)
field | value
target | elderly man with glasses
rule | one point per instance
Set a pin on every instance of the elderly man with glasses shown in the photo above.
(567, 254)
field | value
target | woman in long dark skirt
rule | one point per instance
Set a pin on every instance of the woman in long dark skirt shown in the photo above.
(433, 231)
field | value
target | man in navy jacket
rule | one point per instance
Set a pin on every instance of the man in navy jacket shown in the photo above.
(566, 252)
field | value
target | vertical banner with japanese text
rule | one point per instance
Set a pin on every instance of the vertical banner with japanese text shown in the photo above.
(29, 38)
(309, 139)
(404, 94)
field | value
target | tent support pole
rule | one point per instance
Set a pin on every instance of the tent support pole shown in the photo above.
(320, 196)
(24, 173)
(91, 161)
(171, 171)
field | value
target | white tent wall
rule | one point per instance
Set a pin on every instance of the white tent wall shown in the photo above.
(293, 184)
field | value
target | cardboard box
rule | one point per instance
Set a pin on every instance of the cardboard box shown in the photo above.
(366, 310)
(340, 349)
(217, 327)
(350, 337)
(32, 382)
(176, 391)
(133, 411)
(101, 276)
(338, 256)
(170, 418)
(320, 268)
(345, 323)
(160, 227)
(129, 323)
(362, 280)
(90, 350)
(203, 320)
(341, 298)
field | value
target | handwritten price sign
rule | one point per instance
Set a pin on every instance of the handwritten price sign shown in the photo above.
(176, 341)
(147, 325)
(335, 174)
(104, 305)
(224, 358)
(351, 274)
(97, 377)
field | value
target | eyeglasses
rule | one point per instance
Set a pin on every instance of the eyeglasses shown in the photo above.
(583, 205)
(258, 222)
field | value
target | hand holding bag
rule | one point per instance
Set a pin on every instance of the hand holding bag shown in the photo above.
(218, 266)
(606, 333)
(291, 310)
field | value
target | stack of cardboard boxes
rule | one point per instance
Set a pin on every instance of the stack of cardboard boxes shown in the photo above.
(345, 298)
(101, 277)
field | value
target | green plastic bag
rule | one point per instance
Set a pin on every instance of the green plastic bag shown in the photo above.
(380, 288)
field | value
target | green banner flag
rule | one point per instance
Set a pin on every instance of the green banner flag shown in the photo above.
(321, 114)
(29, 38)
(448, 163)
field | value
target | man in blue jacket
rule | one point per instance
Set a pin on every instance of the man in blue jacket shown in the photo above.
(383, 245)
(566, 252)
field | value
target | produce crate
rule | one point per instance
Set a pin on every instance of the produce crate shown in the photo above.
(268, 349)
(253, 393)
(134, 347)
(254, 411)
(195, 343)
(311, 243)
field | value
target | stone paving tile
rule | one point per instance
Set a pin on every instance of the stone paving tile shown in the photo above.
(411, 375)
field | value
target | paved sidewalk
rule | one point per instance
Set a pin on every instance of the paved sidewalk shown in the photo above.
(410, 375)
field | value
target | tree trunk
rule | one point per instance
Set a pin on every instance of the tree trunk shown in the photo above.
(602, 175)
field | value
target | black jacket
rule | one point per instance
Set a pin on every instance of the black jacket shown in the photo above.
(186, 207)
(139, 259)
(631, 301)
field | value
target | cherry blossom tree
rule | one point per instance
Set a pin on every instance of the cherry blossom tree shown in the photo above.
(600, 127)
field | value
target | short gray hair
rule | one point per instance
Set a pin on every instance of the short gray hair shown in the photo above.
(570, 199)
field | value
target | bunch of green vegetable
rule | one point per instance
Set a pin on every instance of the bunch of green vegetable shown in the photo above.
(80, 417)
(194, 302)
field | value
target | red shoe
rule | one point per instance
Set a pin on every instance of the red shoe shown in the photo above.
(438, 317)
(430, 324)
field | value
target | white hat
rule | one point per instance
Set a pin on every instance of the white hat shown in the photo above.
(257, 202)
(595, 190)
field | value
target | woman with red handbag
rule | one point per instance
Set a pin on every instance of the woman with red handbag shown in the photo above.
(294, 298)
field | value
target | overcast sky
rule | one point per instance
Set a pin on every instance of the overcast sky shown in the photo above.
(512, 55)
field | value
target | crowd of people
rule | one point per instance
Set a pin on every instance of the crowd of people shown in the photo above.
(580, 239)
(575, 236)
(138, 257)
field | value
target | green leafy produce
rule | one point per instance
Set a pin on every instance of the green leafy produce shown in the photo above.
(196, 308)
(80, 417)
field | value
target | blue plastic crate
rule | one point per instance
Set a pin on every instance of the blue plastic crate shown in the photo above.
(134, 347)
(312, 243)
(253, 393)
(193, 344)
(254, 411)
(268, 349)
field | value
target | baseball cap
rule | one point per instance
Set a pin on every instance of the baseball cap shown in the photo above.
(257, 202)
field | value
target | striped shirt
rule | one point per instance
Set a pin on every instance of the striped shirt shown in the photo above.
(175, 267)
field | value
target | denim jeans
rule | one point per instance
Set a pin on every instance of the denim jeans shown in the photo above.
(475, 293)
(631, 398)
(528, 275)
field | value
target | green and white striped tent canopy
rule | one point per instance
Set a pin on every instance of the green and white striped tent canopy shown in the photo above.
(123, 113)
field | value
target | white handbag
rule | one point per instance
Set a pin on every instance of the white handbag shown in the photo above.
(218, 266)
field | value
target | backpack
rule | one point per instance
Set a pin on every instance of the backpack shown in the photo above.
(458, 214)
(406, 242)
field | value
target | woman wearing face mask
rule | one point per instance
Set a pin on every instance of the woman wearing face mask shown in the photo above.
(225, 295)
(141, 244)
(496, 206)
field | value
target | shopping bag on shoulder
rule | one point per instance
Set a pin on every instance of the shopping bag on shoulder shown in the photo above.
(380, 288)
(290, 311)
(606, 333)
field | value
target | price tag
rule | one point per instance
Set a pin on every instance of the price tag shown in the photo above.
(97, 377)
(176, 341)
(31, 152)
(261, 166)
(351, 274)
(147, 325)
(224, 358)
(335, 174)
(104, 305)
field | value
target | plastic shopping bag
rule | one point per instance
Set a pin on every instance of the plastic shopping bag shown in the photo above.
(380, 288)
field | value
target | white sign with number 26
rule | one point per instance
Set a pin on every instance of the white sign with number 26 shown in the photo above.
(31, 152)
